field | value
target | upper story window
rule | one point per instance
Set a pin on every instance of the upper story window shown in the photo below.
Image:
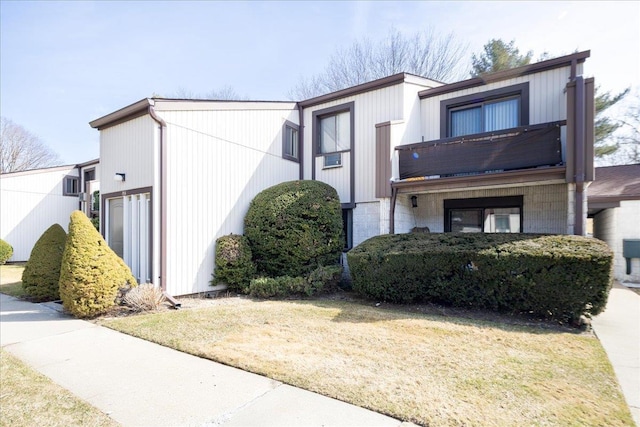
(490, 111)
(333, 133)
(70, 186)
(290, 145)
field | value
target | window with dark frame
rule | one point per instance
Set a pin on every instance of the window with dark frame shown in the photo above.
(290, 144)
(334, 134)
(494, 110)
(484, 215)
(70, 186)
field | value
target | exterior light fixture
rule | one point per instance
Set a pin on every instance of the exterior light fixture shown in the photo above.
(119, 177)
(414, 201)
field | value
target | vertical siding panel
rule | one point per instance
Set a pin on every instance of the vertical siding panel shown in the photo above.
(30, 203)
(546, 99)
(218, 160)
(127, 148)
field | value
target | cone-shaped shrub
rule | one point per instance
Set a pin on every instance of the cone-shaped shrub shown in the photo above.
(294, 227)
(6, 251)
(42, 273)
(91, 274)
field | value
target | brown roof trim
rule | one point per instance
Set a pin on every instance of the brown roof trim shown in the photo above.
(549, 64)
(611, 199)
(555, 173)
(361, 88)
(89, 163)
(38, 170)
(127, 113)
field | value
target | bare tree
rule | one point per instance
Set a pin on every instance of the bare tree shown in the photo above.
(426, 54)
(626, 145)
(21, 150)
(226, 93)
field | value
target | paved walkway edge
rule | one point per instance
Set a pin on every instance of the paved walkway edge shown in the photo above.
(618, 329)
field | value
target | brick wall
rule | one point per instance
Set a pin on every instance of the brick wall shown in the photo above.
(612, 226)
(546, 208)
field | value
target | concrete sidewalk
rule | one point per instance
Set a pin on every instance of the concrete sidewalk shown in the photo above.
(618, 329)
(138, 383)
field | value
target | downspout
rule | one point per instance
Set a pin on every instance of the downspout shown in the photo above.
(392, 210)
(301, 139)
(580, 111)
(163, 208)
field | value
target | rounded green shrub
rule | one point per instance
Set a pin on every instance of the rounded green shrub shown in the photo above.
(42, 272)
(282, 286)
(6, 251)
(294, 227)
(234, 266)
(91, 274)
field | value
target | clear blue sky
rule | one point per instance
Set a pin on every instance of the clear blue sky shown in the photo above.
(64, 64)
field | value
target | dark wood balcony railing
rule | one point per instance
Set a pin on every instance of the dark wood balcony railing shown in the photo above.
(509, 149)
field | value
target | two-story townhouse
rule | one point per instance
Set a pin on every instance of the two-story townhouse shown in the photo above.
(506, 152)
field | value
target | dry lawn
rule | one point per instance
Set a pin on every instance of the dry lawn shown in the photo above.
(428, 369)
(28, 398)
(11, 280)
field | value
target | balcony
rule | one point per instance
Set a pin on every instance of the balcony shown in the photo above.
(508, 150)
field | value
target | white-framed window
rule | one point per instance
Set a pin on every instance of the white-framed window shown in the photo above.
(70, 186)
(290, 141)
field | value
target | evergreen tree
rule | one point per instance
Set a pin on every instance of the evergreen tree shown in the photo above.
(497, 56)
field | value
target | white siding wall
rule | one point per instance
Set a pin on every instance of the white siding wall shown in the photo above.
(370, 108)
(31, 202)
(615, 224)
(337, 177)
(545, 208)
(547, 100)
(217, 161)
(128, 148)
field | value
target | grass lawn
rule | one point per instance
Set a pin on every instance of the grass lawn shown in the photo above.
(28, 398)
(11, 280)
(429, 369)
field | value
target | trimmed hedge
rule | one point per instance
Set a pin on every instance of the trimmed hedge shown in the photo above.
(91, 274)
(234, 266)
(322, 279)
(560, 277)
(42, 273)
(294, 227)
(6, 251)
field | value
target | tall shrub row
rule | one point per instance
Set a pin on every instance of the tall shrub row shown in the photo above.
(561, 277)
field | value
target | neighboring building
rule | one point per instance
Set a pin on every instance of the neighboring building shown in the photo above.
(32, 201)
(614, 206)
(507, 152)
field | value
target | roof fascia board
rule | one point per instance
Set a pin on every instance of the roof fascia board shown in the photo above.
(39, 170)
(205, 105)
(131, 111)
(563, 61)
(355, 90)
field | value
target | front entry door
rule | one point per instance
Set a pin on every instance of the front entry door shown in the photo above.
(115, 232)
(129, 232)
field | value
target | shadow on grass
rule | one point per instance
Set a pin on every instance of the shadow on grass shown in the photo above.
(354, 309)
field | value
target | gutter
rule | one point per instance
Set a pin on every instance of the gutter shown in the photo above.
(163, 206)
(580, 111)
